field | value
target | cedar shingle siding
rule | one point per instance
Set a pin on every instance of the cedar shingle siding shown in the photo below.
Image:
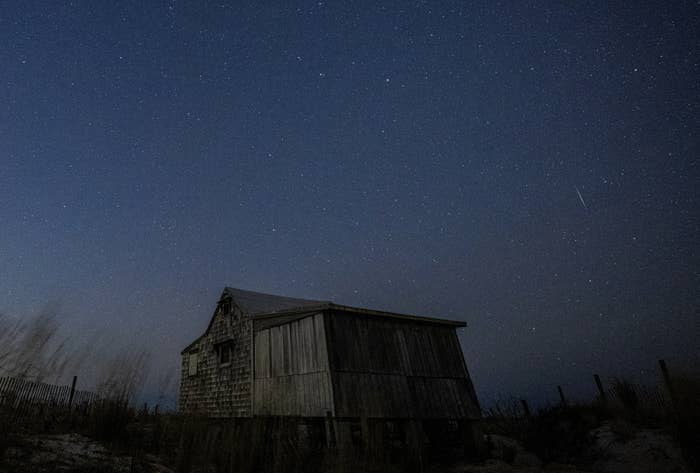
(219, 390)
(295, 357)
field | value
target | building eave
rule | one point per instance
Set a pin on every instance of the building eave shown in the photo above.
(191, 345)
(361, 311)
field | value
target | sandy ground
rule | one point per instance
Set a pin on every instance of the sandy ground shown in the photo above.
(634, 451)
(72, 453)
(617, 450)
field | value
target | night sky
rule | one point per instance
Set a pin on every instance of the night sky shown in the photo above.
(527, 167)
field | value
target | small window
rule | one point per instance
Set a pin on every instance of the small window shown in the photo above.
(192, 364)
(224, 352)
(226, 306)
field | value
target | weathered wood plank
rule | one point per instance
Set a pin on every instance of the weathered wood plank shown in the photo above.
(262, 354)
(304, 394)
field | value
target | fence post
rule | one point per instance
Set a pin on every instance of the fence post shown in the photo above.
(72, 392)
(561, 396)
(601, 391)
(667, 381)
(526, 408)
(156, 429)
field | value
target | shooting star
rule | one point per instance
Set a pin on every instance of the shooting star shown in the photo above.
(580, 197)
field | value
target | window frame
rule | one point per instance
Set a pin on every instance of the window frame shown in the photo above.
(192, 364)
(221, 348)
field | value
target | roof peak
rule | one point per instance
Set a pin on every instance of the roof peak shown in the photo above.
(254, 302)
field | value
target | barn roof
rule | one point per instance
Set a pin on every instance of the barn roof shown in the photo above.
(261, 305)
(266, 307)
(255, 303)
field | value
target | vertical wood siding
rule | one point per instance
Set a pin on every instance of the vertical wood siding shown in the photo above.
(352, 365)
(291, 369)
(391, 368)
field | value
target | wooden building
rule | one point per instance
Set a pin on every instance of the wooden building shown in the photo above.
(265, 355)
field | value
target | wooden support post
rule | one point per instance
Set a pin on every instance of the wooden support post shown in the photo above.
(330, 430)
(601, 391)
(526, 408)
(378, 445)
(364, 431)
(474, 447)
(416, 445)
(561, 396)
(72, 392)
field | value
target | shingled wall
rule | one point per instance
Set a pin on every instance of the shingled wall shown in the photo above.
(218, 390)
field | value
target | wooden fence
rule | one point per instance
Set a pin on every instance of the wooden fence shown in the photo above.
(660, 399)
(24, 397)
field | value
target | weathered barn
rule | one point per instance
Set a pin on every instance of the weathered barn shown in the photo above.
(265, 355)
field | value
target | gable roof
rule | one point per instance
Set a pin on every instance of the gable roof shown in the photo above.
(263, 306)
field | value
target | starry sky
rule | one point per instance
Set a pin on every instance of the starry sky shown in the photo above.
(528, 167)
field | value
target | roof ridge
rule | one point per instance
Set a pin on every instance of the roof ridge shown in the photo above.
(261, 304)
(254, 302)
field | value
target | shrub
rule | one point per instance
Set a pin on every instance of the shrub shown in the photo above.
(560, 434)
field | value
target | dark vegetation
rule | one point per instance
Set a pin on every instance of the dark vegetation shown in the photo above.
(142, 439)
(565, 433)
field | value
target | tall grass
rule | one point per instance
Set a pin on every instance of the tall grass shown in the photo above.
(563, 433)
(32, 347)
(283, 444)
